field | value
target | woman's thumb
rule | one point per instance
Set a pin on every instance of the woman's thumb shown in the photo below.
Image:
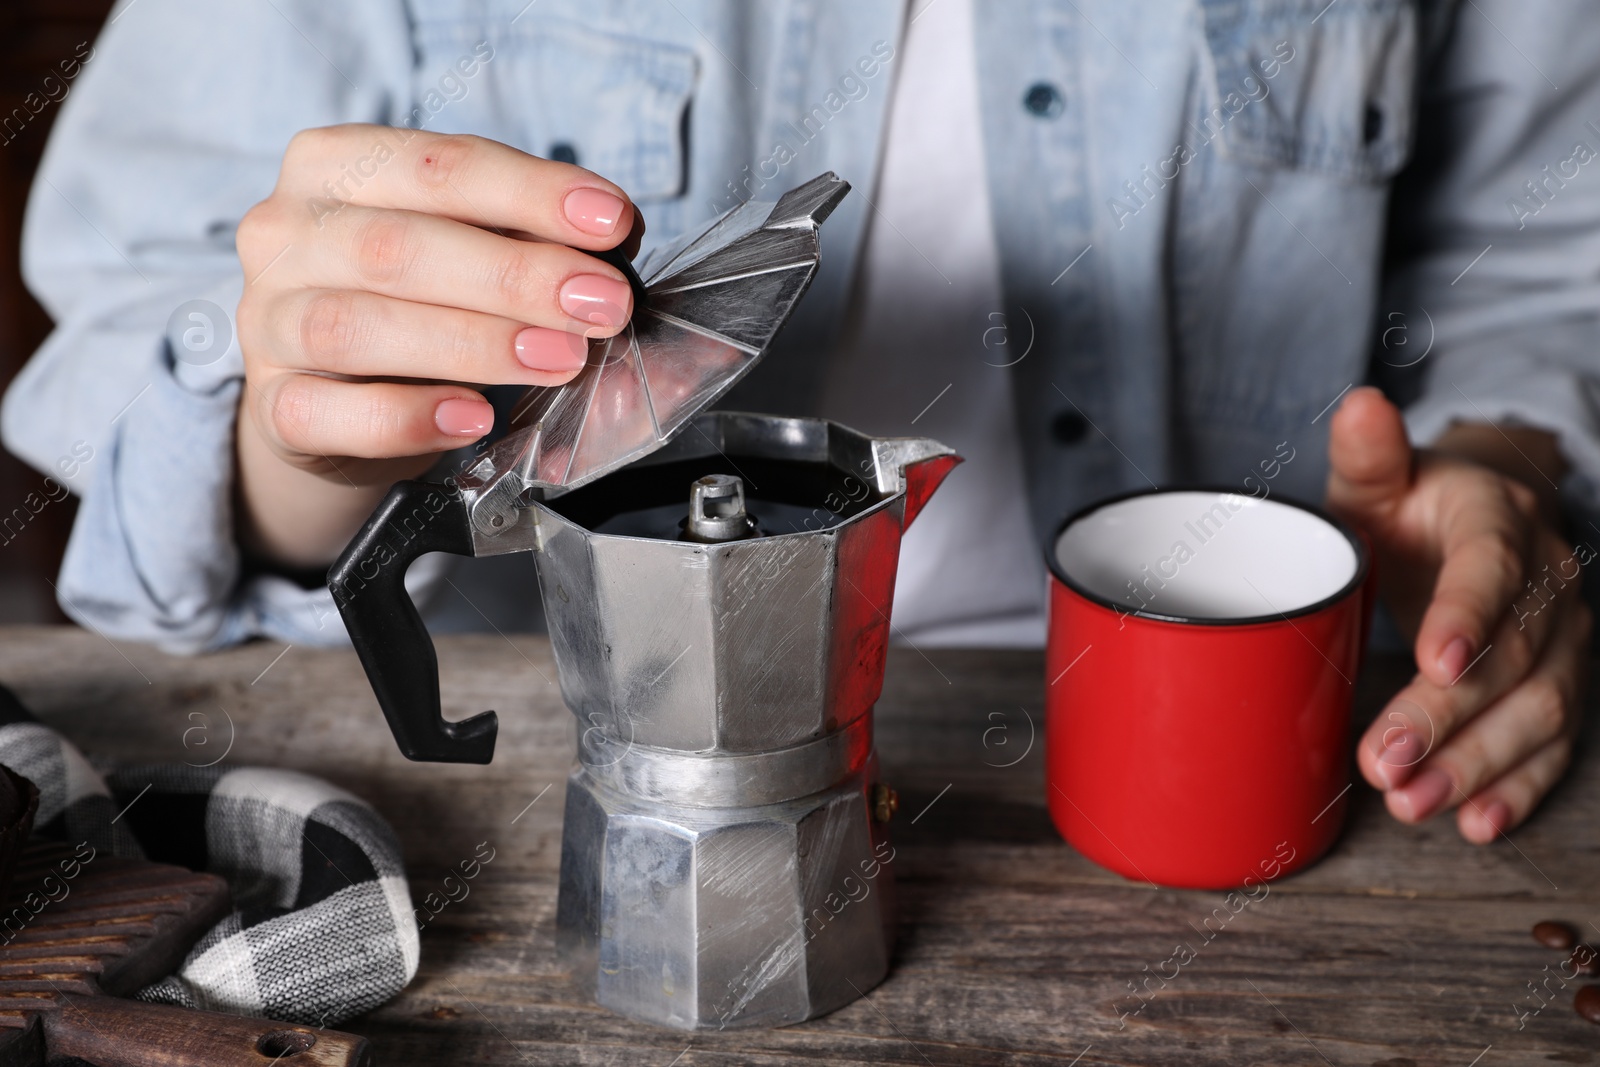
(1369, 456)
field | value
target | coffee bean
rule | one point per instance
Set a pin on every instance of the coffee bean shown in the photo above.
(1585, 961)
(1552, 934)
(1587, 1003)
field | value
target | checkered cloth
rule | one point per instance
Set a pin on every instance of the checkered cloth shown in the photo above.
(323, 928)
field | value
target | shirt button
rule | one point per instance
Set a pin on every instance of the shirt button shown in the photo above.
(1044, 100)
(1068, 427)
(562, 152)
(1372, 123)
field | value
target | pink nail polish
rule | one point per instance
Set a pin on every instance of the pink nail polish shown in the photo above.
(464, 418)
(1424, 795)
(1498, 816)
(1455, 658)
(1402, 750)
(594, 211)
(597, 300)
(551, 350)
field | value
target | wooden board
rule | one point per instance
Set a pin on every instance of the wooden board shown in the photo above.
(1405, 946)
(79, 930)
(78, 921)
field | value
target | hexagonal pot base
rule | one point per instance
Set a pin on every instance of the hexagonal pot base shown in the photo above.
(715, 918)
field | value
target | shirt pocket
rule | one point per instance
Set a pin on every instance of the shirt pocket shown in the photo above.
(613, 103)
(1313, 85)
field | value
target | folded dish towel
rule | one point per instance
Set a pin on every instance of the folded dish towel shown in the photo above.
(322, 928)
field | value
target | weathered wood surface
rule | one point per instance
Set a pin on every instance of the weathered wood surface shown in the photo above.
(1404, 946)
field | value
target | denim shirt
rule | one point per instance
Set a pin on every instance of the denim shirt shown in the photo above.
(1213, 219)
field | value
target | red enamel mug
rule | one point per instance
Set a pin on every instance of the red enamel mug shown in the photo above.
(1200, 668)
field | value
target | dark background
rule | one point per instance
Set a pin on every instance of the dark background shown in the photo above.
(35, 35)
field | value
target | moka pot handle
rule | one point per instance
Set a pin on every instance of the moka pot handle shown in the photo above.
(368, 585)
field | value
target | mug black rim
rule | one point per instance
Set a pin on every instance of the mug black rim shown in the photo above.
(1359, 546)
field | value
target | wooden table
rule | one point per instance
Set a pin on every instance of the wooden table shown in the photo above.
(1405, 946)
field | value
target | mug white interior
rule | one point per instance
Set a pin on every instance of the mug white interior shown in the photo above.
(1206, 556)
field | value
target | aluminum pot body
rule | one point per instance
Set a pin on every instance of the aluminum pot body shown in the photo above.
(725, 857)
(740, 647)
(744, 646)
(722, 918)
(1197, 754)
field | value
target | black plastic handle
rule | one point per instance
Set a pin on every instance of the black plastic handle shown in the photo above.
(368, 584)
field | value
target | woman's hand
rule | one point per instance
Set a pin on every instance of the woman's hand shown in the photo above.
(1471, 567)
(389, 273)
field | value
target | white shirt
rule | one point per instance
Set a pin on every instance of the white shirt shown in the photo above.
(923, 352)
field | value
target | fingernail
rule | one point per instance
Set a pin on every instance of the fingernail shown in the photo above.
(464, 418)
(1402, 750)
(551, 350)
(1455, 658)
(1423, 796)
(1498, 816)
(596, 299)
(594, 211)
